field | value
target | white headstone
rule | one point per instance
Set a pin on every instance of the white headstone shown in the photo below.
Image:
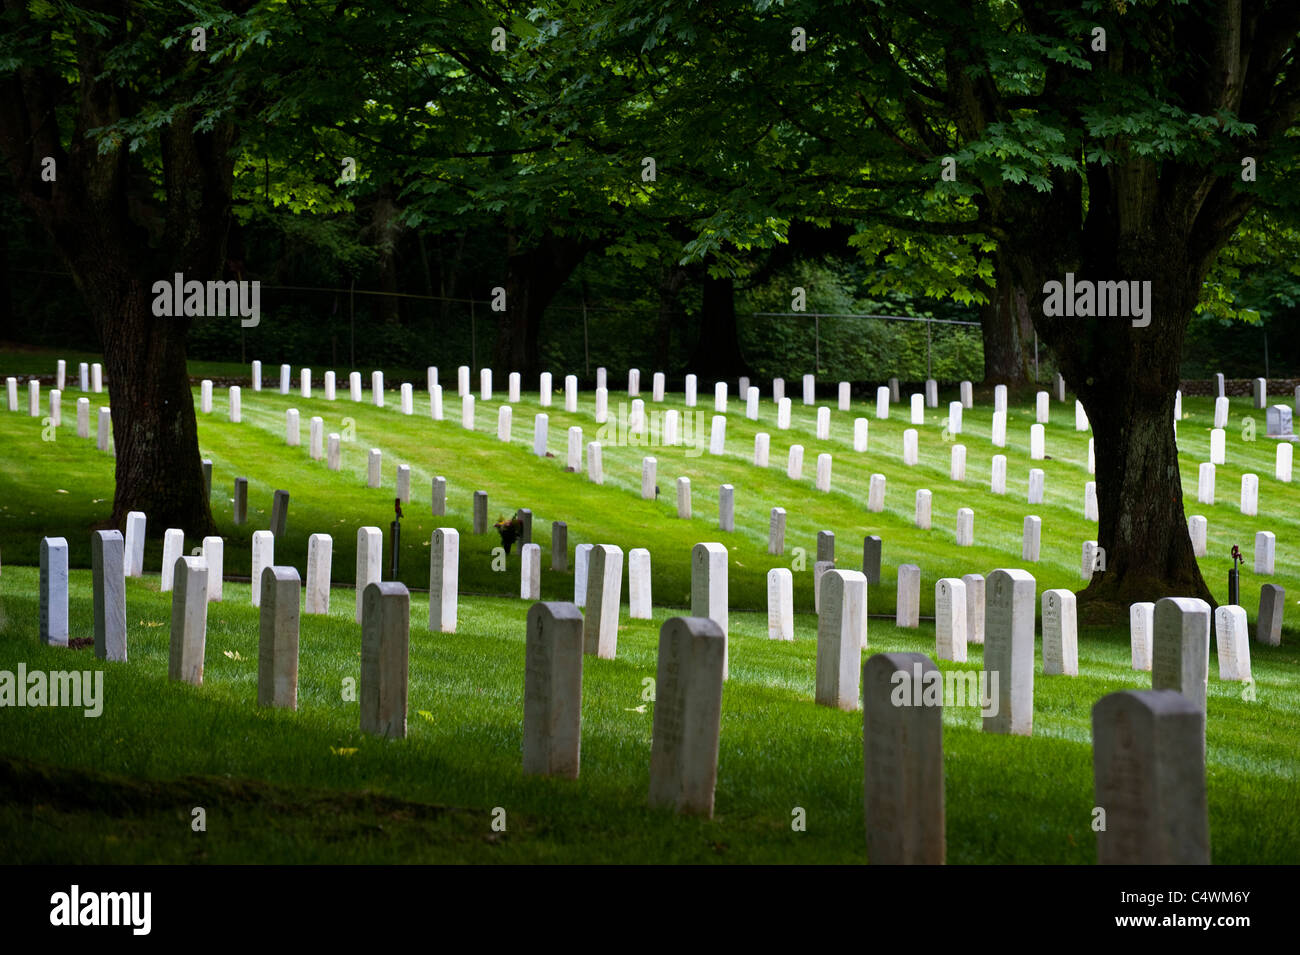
(876, 493)
(657, 387)
(1037, 479)
(690, 387)
(950, 619)
(638, 584)
(633, 382)
(205, 396)
(1037, 442)
(860, 434)
(1148, 757)
(277, 646)
(369, 560)
(727, 508)
(882, 402)
(320, 560)
(467, 412)
(513, 387)
(907, 612)
(923, 508)
(53, 593)
(720, 397)
(1141, 624)
(444, 579)
(823, 472)
(1009, 651)
(263, 557)
(709, 588)
(783, 414)
(954, 417)
(751, 403)
(762, 446)
(173, 548)
(918, 409)
(189, 621)
(1042, 407)
(1282, 470)
(718, 435)
(541, 431)
(780, 604)
(1205, 483)
(135, 528)
(841, 638)
(1180, 656)
(999, 433)
(1033, 535)
(604, 586)
(967, 391)
(794, 465)
(974, 608)
(354, 386)
(553, 691)
(965, 527)
(687, 715)
(581, 562)
(214, 552)
(595, 470)
(809, 390)
(1196, 526)
(957, 466)
(1060, 633)
(108, 571)
(83, 416)
(1265, 547)
(385, 659)
(902, 761)
(1250, 494)
(374, 469)
(1090, 501)
(998, 474)
(571, 393)
(544, 389)
(1000, 399)
(1218, 446)
(1080, 417)
(911, 453)
(845, 396)
(1230, 636)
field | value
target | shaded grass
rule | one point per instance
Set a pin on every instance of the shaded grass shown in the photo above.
(280, 786)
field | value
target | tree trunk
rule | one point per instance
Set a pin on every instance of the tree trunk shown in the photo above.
(717, 353)
(116, 240)
(1125, 377)
(1007, 331)
(533, 277)
(155, 432)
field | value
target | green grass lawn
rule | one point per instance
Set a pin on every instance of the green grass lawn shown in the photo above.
(284, 786)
